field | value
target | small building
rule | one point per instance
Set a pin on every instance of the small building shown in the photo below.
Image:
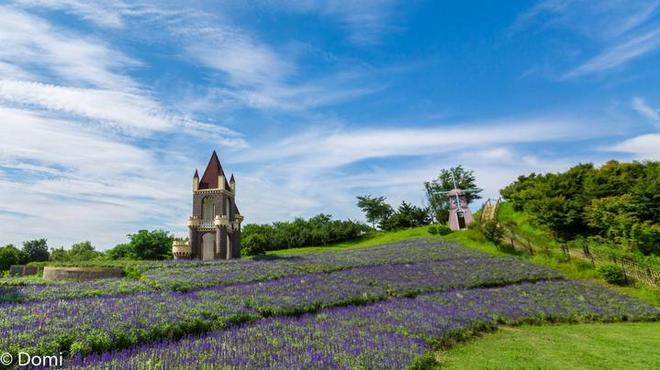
(460, 216)
(214, 229)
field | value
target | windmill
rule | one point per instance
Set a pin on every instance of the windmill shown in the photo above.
(460, 216)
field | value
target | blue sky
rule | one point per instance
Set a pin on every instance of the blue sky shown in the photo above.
(107, 108)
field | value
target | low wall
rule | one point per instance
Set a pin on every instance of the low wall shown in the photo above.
(22, 270)
(80, 273)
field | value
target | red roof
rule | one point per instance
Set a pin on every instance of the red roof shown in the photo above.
(210, 178)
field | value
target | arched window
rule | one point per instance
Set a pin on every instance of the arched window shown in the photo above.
(208, 208)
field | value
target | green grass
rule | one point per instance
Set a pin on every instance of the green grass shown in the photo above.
(584, 346)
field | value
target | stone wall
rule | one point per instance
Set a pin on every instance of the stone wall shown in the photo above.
(80, 273)
(22, 270)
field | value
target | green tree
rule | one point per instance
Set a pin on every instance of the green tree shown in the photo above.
(36, 250)
(407, 215)
(10, 255)
(83, 251)
(151, 245)
(439, 203)
(375, 209)
(122, 251)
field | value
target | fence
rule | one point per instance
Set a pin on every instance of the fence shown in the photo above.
(632, 270)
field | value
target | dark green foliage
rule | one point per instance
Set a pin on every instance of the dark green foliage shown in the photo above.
(318, 230)
(443, 229)
(10, 255)
(83, 251)
(152, 245)
(613, 274)
(36, 250)
(493, 231)
(618, 202)
(407, 215)
(254, 243)
(375, 209)
(438, 203)
(144, 245)
(122, 251)
(439, 229)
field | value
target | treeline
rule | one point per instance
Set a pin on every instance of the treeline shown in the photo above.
(382, 215)
(378, 212)
(143, 245)
(318, 230)
(617, 205)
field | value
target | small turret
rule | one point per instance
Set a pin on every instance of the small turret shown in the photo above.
(232, 183)
(196, 181)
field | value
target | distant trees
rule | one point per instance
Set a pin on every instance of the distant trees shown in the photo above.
(439, 203)
(83, 251)
(10, 255)
(144, 245)
(378, 211)
(375, 209)
(618, 203)
(318, 230)
(36, 250)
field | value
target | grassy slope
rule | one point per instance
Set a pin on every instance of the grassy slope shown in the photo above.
(573, 269)
(589, 346)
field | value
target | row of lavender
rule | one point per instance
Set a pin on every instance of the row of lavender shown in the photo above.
(191, 275)
(386, 335)
(100, 323)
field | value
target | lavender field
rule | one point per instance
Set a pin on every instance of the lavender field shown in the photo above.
(377, 307)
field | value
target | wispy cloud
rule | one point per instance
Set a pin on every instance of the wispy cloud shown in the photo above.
(366, 21)
(131, 113)
(640, 105)
(619, 54)
(623, 31)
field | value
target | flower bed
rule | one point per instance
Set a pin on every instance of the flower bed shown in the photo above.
(385, 335)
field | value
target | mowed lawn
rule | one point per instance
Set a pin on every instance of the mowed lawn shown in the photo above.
(583, 346)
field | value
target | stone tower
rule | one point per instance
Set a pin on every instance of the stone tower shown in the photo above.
(214, 229)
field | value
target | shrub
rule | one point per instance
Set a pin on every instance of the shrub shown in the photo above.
(493, 231)
(318, 230)
(443, 229)
(612, 273)
(433, 230)
(254, 245)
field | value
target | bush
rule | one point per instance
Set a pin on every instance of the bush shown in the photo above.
(318, 230)
(433, 230)
(493, 231)
(253, 245)
(613, 274)
(443, 229)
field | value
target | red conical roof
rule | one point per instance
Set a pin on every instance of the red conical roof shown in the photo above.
(213, 170)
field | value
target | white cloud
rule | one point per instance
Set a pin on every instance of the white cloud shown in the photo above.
(107, 13)
(334, 148)
(642, 147)
(645, 110)
(619, 54)
(130, 112)
(33, 45)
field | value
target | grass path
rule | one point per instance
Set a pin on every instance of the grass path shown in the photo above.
(583, 346)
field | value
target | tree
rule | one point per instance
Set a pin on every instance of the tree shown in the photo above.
(122, 251)
(10, 255)
(83, 251)
(439, 203)
(151, 245)
(407, 215)
(36, 250)
(375, 209)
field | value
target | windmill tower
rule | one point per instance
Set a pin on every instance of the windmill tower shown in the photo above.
(460, 216)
